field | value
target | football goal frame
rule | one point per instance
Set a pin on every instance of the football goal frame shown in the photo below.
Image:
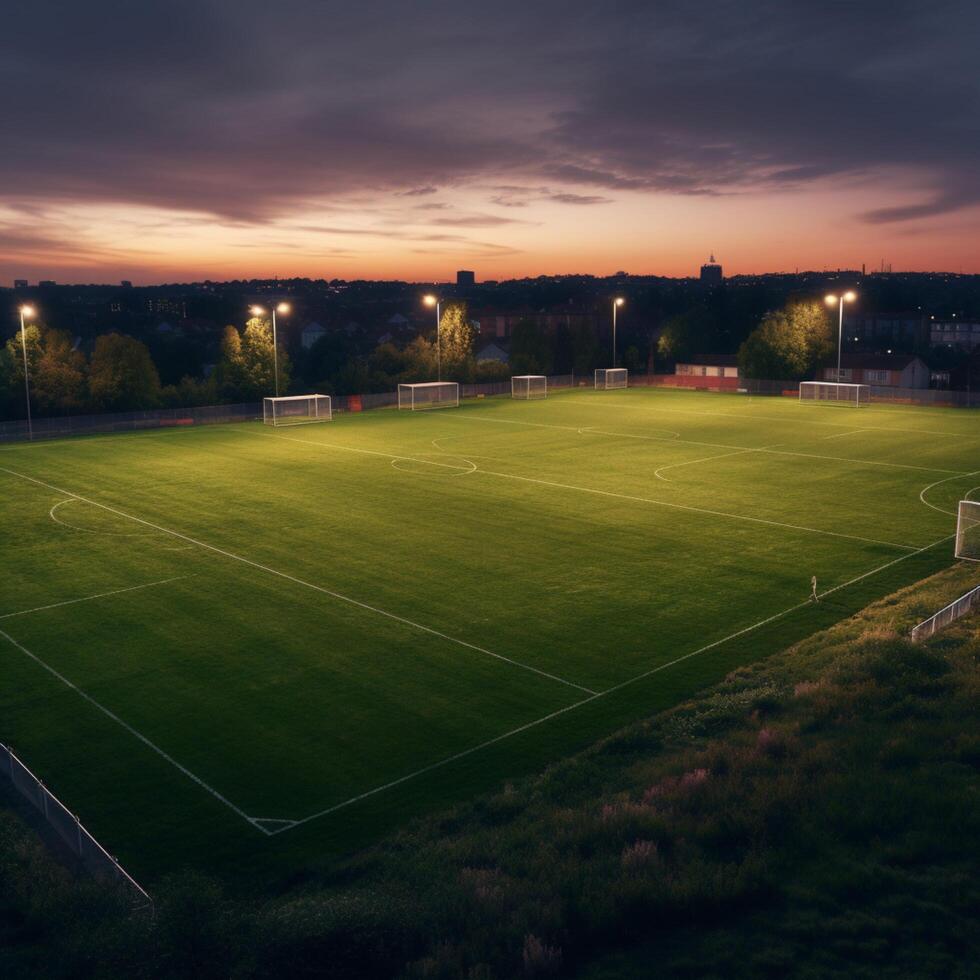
(297, 409)
(607, 379)
(968, 530)
(837, 392)
(427, 395)
(528, 386)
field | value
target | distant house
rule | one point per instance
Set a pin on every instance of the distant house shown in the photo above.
(311, 333)
(709, 366)
(886, 370)
(491, 352)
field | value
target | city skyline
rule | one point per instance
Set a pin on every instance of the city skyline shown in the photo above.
(183, 143)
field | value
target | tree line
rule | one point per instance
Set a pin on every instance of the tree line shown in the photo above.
(120, 374)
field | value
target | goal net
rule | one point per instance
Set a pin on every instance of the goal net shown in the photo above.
(296, 409)
(610, 378)
(968, 530)
(428, 394)
(529, 386)
(835, 391)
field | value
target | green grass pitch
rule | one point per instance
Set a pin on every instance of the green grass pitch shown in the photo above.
(252, 649)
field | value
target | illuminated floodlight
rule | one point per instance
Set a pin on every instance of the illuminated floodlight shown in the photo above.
(429, 299)
(619, 300)
(257, 310)
(283, 308)
(27, 310)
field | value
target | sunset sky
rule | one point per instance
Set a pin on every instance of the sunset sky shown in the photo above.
(199, 139)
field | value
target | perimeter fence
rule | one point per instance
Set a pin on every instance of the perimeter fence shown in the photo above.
(90, 853)
(948, 614)
(79, 425)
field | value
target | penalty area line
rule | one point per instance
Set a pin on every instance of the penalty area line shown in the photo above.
(88, 598)
(290, 824)
(129, 728)
(308, 585)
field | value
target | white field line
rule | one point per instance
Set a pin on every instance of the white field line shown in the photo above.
(298, 581)
(839, 435)
(85, 530)
(925, 490)
(591, 430)
(695, 510)
(89, 598)
(288, 825)
(772, 418)
(619, 496)
(129, 728)
(690, 462)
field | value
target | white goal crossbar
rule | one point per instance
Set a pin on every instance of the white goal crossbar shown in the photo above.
(607, 378)
(835, 391)
(428, 394)
(968, 530)
(529, 386)
(296, 409)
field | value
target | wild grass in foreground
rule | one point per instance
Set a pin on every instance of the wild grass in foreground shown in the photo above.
(813, 815)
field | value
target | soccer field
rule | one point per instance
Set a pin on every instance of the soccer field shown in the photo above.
(245, 647)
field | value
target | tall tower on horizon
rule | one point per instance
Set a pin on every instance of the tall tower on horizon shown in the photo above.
(711, 272)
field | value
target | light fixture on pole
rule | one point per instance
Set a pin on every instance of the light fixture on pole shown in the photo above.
(283, 308)
(847, 297)
(431, 300)
(616, 304)
(25, 312)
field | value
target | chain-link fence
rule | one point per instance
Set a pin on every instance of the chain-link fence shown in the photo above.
(157, 418)
(92, 855)
(71, 425)
(948, 614)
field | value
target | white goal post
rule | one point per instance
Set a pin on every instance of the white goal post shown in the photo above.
(296, 409)
(428, 394)
(528, 386)
(968, 530)
(606, 378)
(835, 391)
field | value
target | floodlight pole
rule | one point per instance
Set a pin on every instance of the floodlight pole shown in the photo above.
(616, 303)
(614, 332)
(27, 382)
(438, 340)
(840, 333)
(275, 350)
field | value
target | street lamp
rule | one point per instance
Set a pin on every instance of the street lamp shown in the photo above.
(431, 300)
(847, 297)
(25, 312)
(283, 308)
(616, 304)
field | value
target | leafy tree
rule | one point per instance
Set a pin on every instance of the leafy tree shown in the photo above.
(8, 385)
(530, 349)
(230, 369)
(59, 383)
(789, 343)
(122, 375)
(15, 348)
(259, 358)
(632, 360)
(455, 338)
(585, 349)
(248, 361)
(693, 332)
(420, 360)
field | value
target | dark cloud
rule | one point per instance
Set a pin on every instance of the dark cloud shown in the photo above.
(580, 199)
(476, 221)
(253, 111)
